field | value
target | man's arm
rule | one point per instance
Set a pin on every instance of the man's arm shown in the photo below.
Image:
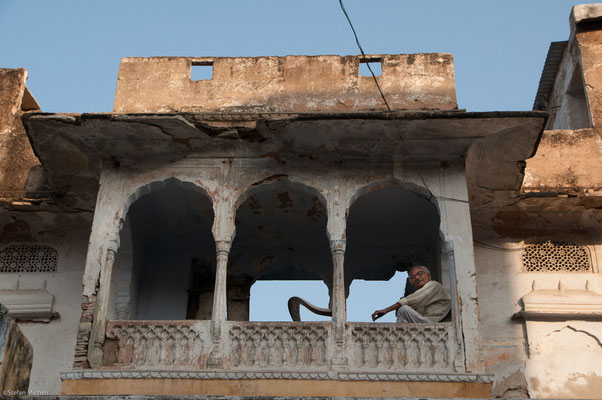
(379, 313)
(419, 297)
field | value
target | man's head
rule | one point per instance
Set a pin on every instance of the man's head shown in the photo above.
(419, 276)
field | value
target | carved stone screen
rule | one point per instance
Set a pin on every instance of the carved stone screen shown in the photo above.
(556, 257)
(28, 258)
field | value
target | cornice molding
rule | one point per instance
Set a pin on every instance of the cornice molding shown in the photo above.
(235, 375)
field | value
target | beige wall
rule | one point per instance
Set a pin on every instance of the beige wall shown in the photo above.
(539, 358)
(53, 342)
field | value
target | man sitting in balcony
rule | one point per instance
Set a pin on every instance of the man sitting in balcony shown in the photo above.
(430, 303)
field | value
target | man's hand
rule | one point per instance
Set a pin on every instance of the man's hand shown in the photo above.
(377, 314)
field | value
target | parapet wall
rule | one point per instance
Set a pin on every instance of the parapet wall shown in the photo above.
(285, 84)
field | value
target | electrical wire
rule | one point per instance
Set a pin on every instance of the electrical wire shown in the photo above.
(357, 41)
(382, 95)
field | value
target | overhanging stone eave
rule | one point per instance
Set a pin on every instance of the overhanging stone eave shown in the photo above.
(424, 125)
(413, 137)
(375, 114)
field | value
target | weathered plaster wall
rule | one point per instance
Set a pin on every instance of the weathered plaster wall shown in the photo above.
(586, 24)
(567, 161)
(564, 360)
(292, 83)
(538, 358)
(576, 98)
(53, 342)
(20, 170)
(567, 103)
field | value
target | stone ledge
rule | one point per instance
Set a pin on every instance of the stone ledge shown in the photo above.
(233, 375)
(270, 388)
(212, 397)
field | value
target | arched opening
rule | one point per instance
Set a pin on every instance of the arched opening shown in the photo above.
(165, 267)
(389, 229)
(280, 236)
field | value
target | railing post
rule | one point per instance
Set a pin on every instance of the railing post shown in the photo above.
(218, 314)
(97, 333)
(338, 301)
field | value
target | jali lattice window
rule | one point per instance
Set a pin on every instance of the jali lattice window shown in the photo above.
(28, 258)
(556, 257)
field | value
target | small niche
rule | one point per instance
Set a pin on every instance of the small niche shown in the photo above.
(374, 63)
(201, 71)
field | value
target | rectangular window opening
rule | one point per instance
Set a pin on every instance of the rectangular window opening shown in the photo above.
(201, 71)
(374, 63)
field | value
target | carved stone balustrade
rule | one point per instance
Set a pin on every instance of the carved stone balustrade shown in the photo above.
(283, 346)
(403, 347)
(156, 344)
(280, 344)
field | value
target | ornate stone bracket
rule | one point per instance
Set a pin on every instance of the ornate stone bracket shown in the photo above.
(29, 304)
(554, 306)
(560, 304)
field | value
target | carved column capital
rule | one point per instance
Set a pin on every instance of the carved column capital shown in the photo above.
(222, 247)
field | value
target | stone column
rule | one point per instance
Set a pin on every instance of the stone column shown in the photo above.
(97, 333)
(337, 204)
(338, 285)
(338, 300)
(218, 314)
(108, 215)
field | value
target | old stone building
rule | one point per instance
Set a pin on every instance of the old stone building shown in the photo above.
(168, 209)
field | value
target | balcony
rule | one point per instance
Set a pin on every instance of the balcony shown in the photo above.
(285, 347)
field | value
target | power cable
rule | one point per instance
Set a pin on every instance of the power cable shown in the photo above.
(382, 95)
(357, 41)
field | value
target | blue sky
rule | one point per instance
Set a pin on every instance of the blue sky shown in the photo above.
(72, 51)
(72, 48)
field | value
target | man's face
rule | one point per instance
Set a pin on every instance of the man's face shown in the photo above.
(419, 277)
